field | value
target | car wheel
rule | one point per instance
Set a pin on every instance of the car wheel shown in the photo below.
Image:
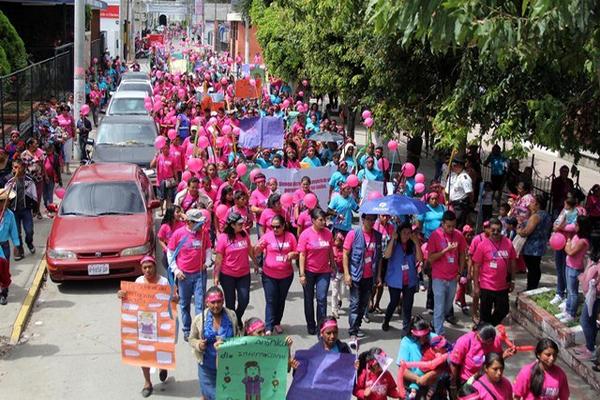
(53, 279)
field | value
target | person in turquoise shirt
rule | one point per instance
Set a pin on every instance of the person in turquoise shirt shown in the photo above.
(338, 177)
(8, 231)
(348, 154)
(276, 162)
(263, 158)
(312, 125)
(432, 219)
(311, 157)
(409, 187)
(369, 172)
(341, 207)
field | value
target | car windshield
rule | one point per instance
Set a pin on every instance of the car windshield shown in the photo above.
(102, 198)
(128, 106)
(141, 87)
(125, 134)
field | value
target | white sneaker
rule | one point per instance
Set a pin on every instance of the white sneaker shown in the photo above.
(556, 300)
(560, 315)
(566, 319)
(563, 305)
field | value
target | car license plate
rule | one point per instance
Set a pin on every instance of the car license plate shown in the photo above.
(98, 269)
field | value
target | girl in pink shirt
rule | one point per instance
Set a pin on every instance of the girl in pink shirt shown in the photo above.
(240, 206)
(337, 275)
(173, 220)
(216, 181)
(273, 208)
(232, 266)
(279, 247)
(492, 385)
(165, 176)
(260, 196)
(542, 379)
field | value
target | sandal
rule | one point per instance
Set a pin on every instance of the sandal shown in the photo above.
(147, 391)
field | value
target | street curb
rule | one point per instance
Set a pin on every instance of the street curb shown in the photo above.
(28, 303)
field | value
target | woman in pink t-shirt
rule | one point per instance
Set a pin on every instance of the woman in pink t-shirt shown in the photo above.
(299, 197)
(232, 266)
(279, 247)
(173, 220)
(240, 206)
(576, 249)
(316, 265)
(492, 385)
(259, 197)
(542, 379)
(165, 176)
(216, 181)
(273, 208)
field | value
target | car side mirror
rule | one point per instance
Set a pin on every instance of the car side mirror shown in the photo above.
(153, 204)
(90, 142)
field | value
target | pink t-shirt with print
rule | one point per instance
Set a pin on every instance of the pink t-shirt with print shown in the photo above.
(555, 386)
(192, 255)
(469, 352)
(276, 248)
(304, 220)
(235, 254)
(494, 259)
(446, 267)
(316, 247)
(165, 168)
(493, 391)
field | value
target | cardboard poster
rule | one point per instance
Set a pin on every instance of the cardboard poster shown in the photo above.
(148, 335)
(252, 368)
(243, 89)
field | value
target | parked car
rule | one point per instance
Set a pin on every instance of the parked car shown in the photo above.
(135, 75)
(127, 103)
(104, 225)
(134, 85)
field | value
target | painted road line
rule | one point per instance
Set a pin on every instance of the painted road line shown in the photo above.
(27, 306)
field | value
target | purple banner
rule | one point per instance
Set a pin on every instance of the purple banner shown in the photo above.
(266, 132)
(250, 132)
(322, 375)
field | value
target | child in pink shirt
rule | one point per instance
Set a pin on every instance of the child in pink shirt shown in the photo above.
(492, 385)
(337, 281)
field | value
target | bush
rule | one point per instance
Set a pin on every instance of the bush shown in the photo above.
(12, 44)
(4, 64)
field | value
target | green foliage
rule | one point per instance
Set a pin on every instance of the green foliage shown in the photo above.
(88, 17)
(4, 64)
(13, 45)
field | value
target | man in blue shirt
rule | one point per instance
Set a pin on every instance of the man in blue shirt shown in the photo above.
(341, 207)
(8, 231)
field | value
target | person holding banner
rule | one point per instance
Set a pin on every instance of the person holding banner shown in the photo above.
(150, 275)
(186, 253)
(232, 266)
(374, 381)
(316, 264)
(329, 337)
(279, 247)
(210, 328)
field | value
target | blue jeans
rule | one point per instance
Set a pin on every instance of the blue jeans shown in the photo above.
(572, 290)
(276, 291)
(48, 192)
(207, 377)
(360, 293)
(25, 218)
(193, 284)
(560, 259)
(589, 326)
(236, 288)
(320, 282)
(443, 296)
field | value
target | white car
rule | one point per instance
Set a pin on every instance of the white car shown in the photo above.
(127, 103)
(135, 85)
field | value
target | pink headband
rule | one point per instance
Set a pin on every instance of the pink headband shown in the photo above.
(421, 332)
(329, 324)
(255, 326)
(472, 396)
(148, 259)
(216, 296)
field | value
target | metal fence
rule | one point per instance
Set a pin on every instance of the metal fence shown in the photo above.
(97, 47)
(22, 91)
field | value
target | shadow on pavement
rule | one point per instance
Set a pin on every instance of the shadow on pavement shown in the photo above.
(54, 304)
(174, 388)
(89, 287)
(27, 350)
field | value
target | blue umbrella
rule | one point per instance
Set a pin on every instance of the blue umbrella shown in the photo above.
(394, 204)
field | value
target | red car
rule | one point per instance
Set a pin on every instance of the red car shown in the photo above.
(104, 225)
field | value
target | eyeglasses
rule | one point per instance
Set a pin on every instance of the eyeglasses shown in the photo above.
(276, 226)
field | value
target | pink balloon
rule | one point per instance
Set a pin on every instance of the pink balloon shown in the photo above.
(419, 188)
(420, 178)
(241, 169)
(159, 74)
(182, 185)
(60, 192)
(285, 104)
(392, 145)
(558, 241)
(383, 164)
(236, 131)
(366, 114)
(408, 169)
(172, 134)
(310, 200)
(207, 76)
(221, 211)
(374, 195)
(253, 174)
(287, 200)
(226, 129)
(195, 164)
(352, 181)
(160, 142)
(301, 93)
(186, 176)
(368, 122)
(203, 142)
(181, 93)
(189, 150)
(220, 142)
(147, 106)
(157, 106)
(85, 109)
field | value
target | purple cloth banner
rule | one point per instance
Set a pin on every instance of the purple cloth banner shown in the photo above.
(266, 132)
(322, 375)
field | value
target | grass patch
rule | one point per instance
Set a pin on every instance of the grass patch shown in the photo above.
(543, 300)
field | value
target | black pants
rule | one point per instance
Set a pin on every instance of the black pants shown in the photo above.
(236, 288)
(408, 297)
(493, 305)
(534, 273)
(462, 210)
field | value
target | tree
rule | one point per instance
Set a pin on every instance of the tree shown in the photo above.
(12, 44)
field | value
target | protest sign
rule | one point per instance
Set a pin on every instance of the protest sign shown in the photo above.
(265, 132)
(148, 335)
(252, 367)
(322, 375)
(369, 186)
(289, 180)
(243, 89)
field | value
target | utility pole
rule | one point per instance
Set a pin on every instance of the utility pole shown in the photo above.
(79, 68)
(216, 29)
